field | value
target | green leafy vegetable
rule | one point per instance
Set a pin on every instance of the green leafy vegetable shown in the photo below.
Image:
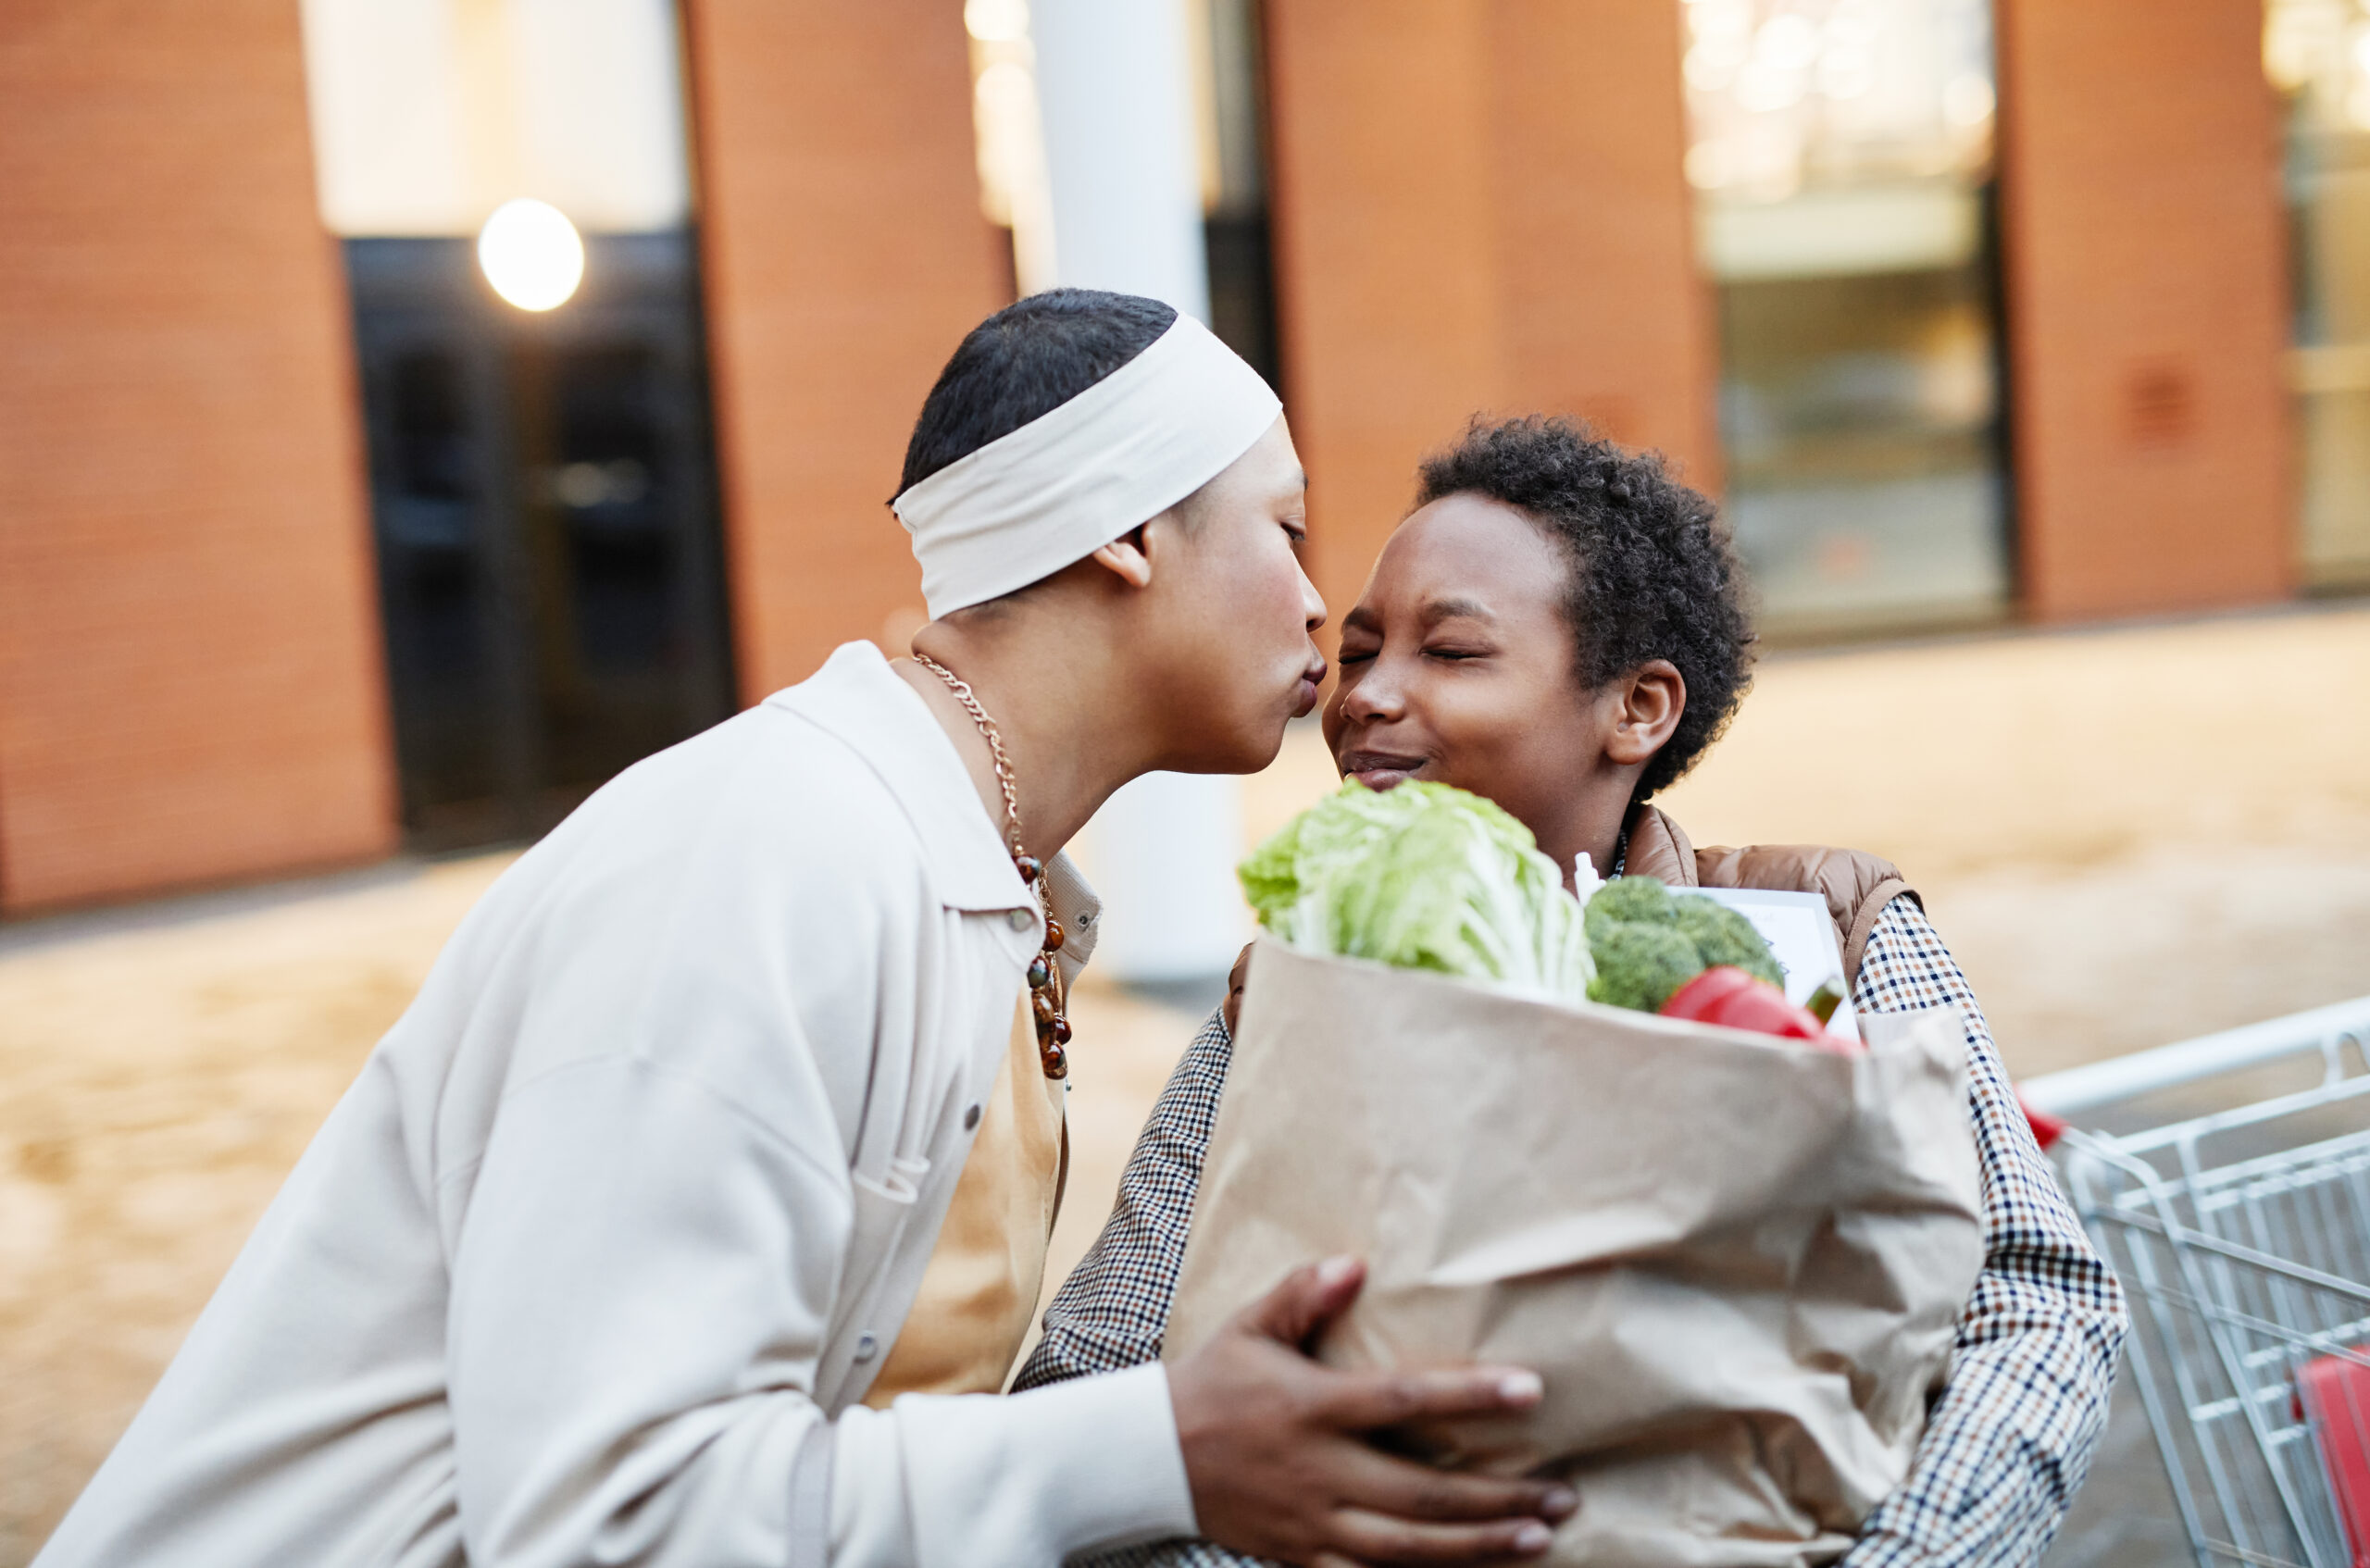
(1422, 877)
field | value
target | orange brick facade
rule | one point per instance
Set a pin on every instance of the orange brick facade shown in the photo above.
(190, 684)
(2143, 260)
(1478, 207)
(845, 257)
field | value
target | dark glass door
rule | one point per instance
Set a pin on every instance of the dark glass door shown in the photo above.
(544, 498)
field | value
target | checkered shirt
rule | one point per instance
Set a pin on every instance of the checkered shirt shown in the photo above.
(2005, 1447)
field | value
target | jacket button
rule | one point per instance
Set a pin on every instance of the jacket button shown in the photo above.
(1021, 919)
(970, 1117)
(867, 1347)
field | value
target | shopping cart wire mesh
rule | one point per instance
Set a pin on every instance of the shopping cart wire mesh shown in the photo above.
(2242, 1238)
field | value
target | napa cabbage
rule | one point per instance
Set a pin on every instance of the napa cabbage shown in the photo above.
(1422, 877)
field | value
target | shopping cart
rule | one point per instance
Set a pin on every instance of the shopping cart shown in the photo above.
(2242, 1238)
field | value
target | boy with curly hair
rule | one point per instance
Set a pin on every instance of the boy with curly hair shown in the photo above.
(1560, 626)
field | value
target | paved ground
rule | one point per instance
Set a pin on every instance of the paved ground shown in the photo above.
(2129, 836)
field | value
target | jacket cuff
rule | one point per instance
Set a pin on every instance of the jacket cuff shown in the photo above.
(1073, 1466)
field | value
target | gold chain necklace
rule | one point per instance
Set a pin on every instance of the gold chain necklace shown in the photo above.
(1045, 993)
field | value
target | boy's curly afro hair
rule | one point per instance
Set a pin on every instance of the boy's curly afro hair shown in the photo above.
(1653, 576)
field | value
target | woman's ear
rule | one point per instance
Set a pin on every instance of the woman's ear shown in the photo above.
(1651, 697)
(1124, 557)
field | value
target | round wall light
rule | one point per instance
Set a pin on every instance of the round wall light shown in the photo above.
(531, 253)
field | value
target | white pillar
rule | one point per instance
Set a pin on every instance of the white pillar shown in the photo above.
(1114, 85)
(1114, 91)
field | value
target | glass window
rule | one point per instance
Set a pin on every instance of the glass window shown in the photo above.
(1840, 152)
(2317, 54)
(543, 479)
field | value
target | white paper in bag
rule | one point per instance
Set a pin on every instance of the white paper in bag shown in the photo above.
(1738, 1261)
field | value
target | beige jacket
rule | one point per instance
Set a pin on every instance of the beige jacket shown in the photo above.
(599, 1255)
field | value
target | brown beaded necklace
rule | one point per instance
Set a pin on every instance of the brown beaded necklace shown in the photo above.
(1045, 991)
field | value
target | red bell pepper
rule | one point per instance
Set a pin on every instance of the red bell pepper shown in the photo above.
(1729, 997)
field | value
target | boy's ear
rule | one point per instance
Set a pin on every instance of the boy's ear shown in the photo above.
(1125, 556)
(1651, 698)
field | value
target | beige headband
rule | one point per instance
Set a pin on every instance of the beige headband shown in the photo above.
(1070, 481)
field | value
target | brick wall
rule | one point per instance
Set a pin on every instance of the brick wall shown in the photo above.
(1606, 316)
(845, 257)
(2143, 255)
(1479, 206)
(190, 687)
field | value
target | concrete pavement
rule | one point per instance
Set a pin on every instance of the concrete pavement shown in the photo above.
(2128, 836)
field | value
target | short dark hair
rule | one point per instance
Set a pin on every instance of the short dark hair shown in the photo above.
(1024, 362)
(1653, 574)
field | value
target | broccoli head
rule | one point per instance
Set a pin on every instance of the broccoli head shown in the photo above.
(1721, 936)
(1641, 899)
(1639, 963)
(1648, 944)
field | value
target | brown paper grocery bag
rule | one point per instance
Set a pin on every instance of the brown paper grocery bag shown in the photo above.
(1737, 1261)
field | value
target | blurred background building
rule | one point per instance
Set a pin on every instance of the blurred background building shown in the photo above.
(413, 411)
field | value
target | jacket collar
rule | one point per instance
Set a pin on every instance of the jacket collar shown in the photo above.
(857, 698)
(1658, 849)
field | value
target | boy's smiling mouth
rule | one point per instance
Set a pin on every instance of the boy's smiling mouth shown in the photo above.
(1380, 770)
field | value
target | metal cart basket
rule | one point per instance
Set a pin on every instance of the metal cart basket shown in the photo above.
(2241, 1237)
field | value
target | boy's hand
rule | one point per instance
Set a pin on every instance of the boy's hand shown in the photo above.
(1279, 1467)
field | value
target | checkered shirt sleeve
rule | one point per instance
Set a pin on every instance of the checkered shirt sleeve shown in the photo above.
(2007, 1444)
(2010, 1440)
(1113, 1310)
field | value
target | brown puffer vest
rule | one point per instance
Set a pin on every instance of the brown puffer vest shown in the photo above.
(1856, 886)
